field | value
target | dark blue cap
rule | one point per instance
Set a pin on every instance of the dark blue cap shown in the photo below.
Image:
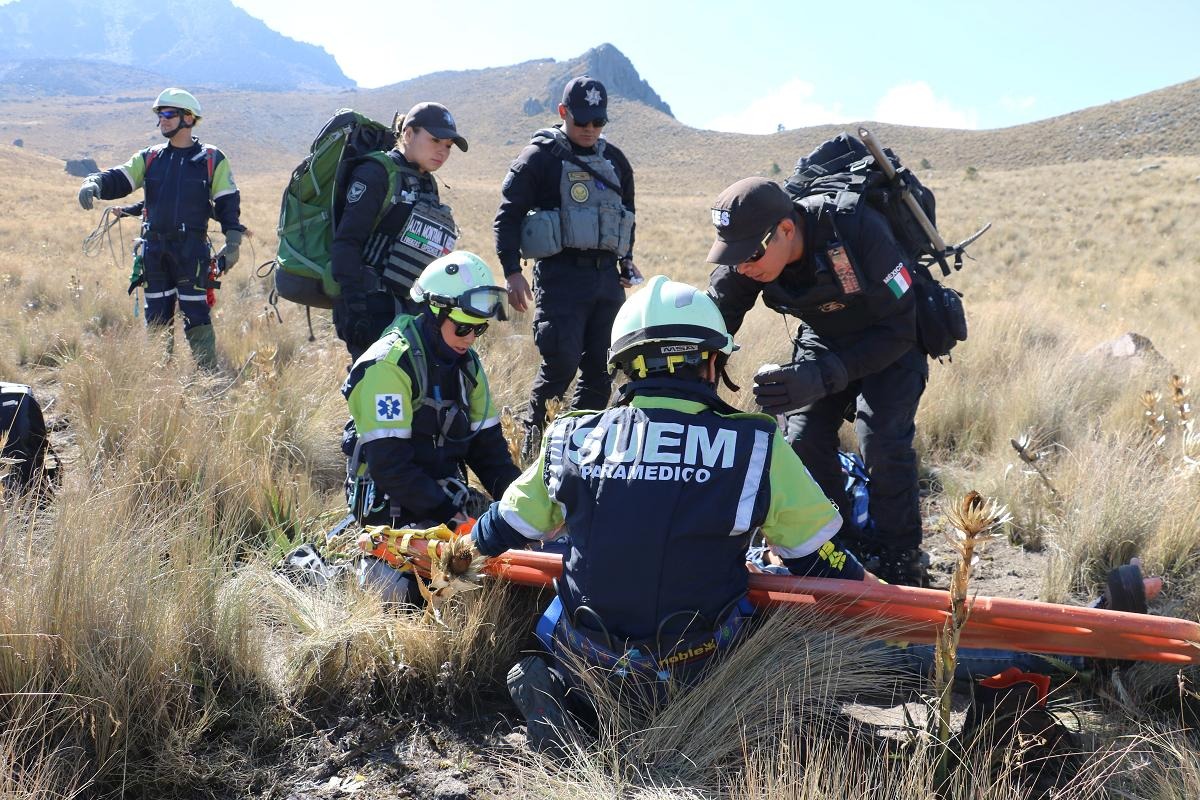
(586, 99)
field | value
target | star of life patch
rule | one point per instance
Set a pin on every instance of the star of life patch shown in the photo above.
(592, 96)
(389, 408)
(355, 192)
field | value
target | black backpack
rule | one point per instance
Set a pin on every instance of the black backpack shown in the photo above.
(846, 172)
(23, 432)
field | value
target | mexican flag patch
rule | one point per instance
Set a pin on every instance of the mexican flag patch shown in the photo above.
(898, 280)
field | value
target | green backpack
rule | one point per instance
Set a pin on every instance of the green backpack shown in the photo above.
(312, 202)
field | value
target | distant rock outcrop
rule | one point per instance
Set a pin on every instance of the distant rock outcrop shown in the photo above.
(533, 107)
(81, 167)
(611, 67)
(195, 43)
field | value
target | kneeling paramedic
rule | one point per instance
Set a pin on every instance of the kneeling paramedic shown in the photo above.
(422, 413)
(661, 495)
(185, 182)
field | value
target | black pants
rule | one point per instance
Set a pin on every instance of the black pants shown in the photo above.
(577, 301)
(883, 407)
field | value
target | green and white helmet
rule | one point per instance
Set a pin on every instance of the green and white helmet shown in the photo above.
(666, 324)
(460, 285)
(178, 98)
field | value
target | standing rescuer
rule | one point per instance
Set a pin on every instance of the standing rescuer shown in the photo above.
(660, 496)
(855, 355)
(186, 182)
(376, 260)
(568, 204)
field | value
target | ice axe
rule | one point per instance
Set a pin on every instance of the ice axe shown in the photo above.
(943, 251)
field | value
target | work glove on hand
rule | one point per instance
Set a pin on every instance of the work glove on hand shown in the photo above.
(354, 322)
(89, 191)
(782, 390)
(227, 256)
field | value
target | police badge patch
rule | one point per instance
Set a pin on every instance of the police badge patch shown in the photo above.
(355, 192)
(579, 192)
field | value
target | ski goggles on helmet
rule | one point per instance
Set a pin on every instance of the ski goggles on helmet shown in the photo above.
(481, 302)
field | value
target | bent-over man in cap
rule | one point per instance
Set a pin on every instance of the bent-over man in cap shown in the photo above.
(855, 355)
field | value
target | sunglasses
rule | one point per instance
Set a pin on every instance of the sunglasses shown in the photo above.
(762, 246)
(168, 113)
(596, 123)
(463, 329)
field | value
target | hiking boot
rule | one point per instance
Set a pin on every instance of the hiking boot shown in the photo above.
(903, 566)
(203, 341)
(538, 692)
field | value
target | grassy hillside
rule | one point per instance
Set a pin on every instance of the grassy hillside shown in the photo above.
(136, 660)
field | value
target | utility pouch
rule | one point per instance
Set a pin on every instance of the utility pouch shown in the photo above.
(941, 318)
(616, 230)
(541, 234)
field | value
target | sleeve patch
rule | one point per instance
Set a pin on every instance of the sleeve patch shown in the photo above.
(355, 192)
(388, 408)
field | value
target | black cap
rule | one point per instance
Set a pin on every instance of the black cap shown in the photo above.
(435, 118)
(586, 99)
(742, 215)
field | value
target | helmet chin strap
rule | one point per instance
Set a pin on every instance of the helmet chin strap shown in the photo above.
(182, 126)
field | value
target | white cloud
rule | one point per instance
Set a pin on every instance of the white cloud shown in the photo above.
(916, 104)
(790, 105)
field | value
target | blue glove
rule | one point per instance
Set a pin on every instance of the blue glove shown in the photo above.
(785, 389)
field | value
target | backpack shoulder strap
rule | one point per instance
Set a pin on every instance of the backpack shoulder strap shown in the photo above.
(152, 153)
(417, 359)
(399, 176)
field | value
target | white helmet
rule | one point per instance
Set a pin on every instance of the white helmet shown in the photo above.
(178, 98)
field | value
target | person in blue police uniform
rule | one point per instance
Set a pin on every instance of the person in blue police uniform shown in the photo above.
(186, 182)
(661, 495)
(567, 203)
(376, 260)
(422, 412)
(855, 354)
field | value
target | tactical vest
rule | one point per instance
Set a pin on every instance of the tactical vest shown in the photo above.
(590, 214)
(178, 186)
(429, 231)
(661, 505)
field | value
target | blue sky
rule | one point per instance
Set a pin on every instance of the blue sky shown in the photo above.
(750, 66)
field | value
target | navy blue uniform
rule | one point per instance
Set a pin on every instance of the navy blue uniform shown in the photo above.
(856, 303)
(577, 292)
(413, 431)
(184, 186)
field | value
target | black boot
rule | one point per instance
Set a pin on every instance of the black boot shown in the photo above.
(539, 693)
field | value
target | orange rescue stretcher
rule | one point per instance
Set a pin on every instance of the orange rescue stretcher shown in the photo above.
(913, 615)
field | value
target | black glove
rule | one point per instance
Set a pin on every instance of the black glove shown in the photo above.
(353, 322)
(782, 390)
